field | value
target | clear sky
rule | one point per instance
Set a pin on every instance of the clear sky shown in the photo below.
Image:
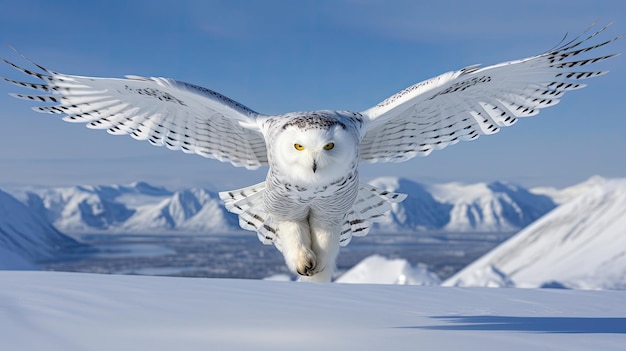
(281, 56)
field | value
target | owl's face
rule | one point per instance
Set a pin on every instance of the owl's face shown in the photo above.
(311, 155)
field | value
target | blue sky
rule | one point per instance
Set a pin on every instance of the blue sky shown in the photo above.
(281, 56)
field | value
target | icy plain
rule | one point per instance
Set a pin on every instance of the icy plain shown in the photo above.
(78, 311)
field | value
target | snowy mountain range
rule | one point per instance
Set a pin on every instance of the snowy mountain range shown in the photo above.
(581, 244)
(456, 207)
(135, 208)
(25, 237)
(143, 208)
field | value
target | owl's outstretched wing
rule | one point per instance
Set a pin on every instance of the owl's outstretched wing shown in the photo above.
(164, 111)
(464, 104)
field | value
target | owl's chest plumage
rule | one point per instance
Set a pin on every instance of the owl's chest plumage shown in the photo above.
(331, 201)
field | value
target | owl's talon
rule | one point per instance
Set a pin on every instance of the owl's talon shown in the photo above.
(306, 263)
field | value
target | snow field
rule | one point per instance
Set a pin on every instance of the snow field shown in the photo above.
(73, 311)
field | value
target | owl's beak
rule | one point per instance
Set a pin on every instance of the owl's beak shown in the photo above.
(314, 166)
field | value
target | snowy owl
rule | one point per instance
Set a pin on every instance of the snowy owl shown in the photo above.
(312, 201)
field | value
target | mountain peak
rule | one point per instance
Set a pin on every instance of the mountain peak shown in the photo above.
(148, 189)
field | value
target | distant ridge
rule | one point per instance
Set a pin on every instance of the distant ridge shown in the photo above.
(143, 208)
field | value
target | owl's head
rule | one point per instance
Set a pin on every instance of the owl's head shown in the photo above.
(312, 148)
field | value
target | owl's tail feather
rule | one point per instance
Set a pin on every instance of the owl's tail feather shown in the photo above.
(372, 205)
(248, 204)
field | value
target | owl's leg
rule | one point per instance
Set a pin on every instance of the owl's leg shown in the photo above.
(325, 244)
(295, 245)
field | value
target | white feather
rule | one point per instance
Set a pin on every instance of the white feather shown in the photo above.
(464, 104)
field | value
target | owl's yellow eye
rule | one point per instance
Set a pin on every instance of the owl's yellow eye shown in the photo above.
(298, 147)
(329, 146)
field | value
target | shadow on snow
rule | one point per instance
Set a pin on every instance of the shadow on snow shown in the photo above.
(573, 325)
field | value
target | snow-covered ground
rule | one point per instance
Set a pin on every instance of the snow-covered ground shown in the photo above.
(581, 244)
(74, 311)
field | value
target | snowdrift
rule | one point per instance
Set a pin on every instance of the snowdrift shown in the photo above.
(376, 269)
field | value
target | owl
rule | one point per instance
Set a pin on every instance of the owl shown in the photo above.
(312, 201)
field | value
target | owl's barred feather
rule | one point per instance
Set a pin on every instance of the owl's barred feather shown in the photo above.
(247, 203)
(312, 200)
(372, 205)
(463, 104)
(166, 112)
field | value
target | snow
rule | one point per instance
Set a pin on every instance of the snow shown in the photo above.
(74, 311)
(581, 245)
(561, 196)
(377, 269)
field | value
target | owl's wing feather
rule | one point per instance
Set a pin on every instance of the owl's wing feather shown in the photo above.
(247, 204)
(178, 115)
(371, 205)
(463, 104)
